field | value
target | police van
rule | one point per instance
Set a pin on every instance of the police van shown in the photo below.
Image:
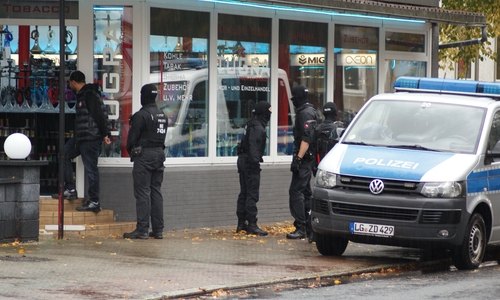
(416, 168)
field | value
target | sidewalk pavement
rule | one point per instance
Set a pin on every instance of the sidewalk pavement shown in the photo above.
(184, 263)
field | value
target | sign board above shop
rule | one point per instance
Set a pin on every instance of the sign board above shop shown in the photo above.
(37, 9)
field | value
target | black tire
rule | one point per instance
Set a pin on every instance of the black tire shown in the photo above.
(331, 245)
(469, 255)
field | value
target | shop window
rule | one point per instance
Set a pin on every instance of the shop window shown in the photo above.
(398, 68)
(302, 59)
(406, 42)
(30, 89)
(356, 61)
(113, 70)
(243, 76)
(178, 66)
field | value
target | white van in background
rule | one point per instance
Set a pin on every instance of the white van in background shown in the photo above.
(183, 96)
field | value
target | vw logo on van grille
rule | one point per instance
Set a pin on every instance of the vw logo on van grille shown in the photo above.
(376, 186)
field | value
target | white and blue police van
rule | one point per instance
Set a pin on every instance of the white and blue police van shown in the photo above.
(419, 168)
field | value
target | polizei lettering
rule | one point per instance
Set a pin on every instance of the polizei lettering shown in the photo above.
(389, 163)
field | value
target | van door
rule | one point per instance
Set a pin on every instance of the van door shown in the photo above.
(493, 176)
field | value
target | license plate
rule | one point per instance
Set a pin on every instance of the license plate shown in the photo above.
(372, 229)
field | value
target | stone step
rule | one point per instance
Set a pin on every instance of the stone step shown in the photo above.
(115, 229)
(77, 217)
(49, 204)
(79, 223)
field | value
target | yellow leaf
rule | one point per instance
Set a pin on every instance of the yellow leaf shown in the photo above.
(20, 250)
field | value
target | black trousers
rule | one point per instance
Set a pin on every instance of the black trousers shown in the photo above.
(148, 177)
(246, 207)
(300, 195)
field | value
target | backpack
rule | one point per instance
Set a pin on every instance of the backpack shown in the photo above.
(326, 139)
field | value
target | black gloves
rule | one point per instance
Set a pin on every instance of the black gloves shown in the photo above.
(294, 167)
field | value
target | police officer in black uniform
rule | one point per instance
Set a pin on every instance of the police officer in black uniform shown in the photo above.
(300, 192)
(145, 144)
(327, 131)
(250, 152)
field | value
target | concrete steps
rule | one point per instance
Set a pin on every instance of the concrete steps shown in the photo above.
(79, 222)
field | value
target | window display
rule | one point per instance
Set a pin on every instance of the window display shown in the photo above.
(396, 68)
(243, 76)
(30, 77)
(113, 70)
(29, 98)
(178, 67)
(302, 55)
(356, 61)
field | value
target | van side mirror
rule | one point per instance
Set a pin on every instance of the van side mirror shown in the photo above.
(491, 157)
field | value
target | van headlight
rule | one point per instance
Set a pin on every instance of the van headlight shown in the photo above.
(448, 189)
(325, 179)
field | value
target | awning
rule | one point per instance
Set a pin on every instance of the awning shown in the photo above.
(384, 9)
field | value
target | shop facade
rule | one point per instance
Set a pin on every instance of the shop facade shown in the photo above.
(211, 61)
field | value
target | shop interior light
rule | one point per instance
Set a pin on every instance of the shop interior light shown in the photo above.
(303, 9)
(108, 8)
(447, 85)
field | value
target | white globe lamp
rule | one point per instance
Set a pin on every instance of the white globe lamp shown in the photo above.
(17, 146)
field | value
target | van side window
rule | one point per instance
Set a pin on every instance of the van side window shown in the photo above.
(494, 137)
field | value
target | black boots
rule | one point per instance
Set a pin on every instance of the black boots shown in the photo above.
(242, 225)
(250, 227)
(299, 233)
(254, 229)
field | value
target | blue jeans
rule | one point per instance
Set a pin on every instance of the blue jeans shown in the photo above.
(89, 150)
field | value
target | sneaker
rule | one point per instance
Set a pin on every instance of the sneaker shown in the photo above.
(136, 235)
(156, 235)
(68, 194)
(89, 206)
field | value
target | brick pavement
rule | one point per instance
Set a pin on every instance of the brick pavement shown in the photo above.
(184, 263)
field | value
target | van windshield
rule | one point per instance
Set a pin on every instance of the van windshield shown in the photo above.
(418, 125)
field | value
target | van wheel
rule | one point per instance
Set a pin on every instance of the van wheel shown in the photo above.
(470, 254)
(331, 245)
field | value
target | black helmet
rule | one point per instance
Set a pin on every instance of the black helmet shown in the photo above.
(261, 108)
(148, 94)
(299, 95)
(300, 91)
(330, 110)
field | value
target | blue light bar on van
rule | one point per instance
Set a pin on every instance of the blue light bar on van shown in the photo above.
(446, 85)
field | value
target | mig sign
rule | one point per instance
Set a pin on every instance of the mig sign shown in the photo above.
(299, 60)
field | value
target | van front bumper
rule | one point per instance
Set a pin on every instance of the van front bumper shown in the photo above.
(418, 221)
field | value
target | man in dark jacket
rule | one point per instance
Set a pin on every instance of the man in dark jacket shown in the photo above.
(251, 150)
(302, 162)
(146, 144)
(91, 130)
